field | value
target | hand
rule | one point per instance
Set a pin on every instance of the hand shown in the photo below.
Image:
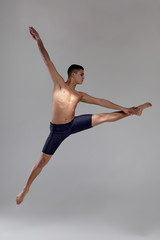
(130, 111)
(34, 33)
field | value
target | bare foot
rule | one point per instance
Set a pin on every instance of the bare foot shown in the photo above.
(21, 196)
(140, 108)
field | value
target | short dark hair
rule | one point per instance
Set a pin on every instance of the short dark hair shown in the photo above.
(74, 68)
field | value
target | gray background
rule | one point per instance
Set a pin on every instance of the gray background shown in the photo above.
(102, 183)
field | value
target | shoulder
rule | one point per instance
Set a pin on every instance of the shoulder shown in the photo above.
(82, 96)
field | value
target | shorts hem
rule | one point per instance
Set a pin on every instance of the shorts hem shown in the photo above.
(47, 153)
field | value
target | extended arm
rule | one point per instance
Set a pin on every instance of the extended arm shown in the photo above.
(104, 103)
(43, 51)
(56, 77)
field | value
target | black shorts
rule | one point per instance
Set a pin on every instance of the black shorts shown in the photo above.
(58, 132)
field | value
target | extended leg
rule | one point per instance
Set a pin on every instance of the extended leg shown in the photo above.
(114, 116)
(43, 160)
(107, 117)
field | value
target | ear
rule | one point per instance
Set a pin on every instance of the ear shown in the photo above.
(72, 74)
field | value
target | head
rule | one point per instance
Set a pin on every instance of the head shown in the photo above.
(76, 72)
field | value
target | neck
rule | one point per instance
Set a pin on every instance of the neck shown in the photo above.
(71, 83)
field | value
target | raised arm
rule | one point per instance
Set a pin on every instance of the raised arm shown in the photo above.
(56, 77)
(104, 103)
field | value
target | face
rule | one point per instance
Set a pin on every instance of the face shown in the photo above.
(79, 76)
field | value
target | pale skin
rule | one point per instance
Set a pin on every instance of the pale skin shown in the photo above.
(64, 102)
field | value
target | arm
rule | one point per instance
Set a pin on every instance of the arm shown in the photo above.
(103, 103)
(56, 77)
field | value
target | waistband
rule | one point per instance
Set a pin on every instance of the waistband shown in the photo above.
(61, 126)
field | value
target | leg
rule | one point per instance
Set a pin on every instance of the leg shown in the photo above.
(114, 116)
(43, 160)
(52, 143)
(107, 117)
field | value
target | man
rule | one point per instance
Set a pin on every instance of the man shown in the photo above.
(64, 101)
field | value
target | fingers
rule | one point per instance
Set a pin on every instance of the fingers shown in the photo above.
(34, 33)
(132, 110)
(32, 30)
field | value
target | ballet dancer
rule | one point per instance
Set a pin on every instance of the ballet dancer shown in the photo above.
(64, 102)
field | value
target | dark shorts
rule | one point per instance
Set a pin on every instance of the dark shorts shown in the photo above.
(58, 132)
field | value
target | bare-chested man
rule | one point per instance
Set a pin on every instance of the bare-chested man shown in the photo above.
(64, 101)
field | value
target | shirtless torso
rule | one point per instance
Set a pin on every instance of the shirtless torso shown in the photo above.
(64, 102)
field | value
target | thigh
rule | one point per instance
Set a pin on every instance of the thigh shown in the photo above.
(53, 141)
(81, 123)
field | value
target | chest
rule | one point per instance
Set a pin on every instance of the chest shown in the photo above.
(65, 97)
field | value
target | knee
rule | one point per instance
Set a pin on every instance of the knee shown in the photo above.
(42, 161)
(98, 119)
